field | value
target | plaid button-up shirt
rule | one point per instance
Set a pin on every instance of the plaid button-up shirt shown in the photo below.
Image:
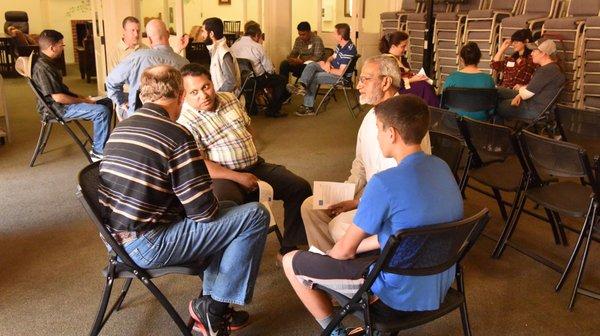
(519, 73)
(314, 48)
(222, 136)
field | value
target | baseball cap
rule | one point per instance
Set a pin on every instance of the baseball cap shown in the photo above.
(547, 46)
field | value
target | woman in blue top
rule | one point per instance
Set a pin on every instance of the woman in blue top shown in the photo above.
(470, 76)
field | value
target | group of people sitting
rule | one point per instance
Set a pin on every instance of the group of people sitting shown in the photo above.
(179, 173)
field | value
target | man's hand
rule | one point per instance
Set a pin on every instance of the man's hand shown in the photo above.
(325, 66)
(516, 101)
(417, 78)
(247, 180)
(344, 206)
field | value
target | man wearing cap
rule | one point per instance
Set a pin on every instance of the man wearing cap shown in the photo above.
(528, 101)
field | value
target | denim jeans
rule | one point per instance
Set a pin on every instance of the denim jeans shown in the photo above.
(98, 114)
(235, 241)
(506, 111)
(312, 76)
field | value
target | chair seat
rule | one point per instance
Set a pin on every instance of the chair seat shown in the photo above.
(125, 271)
(570, 198)
(504, 176)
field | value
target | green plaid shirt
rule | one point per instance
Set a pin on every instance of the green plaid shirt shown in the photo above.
(222, 136)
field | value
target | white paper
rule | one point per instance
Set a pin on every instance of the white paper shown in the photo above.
(428, 80)
(314, 249)
(265, 197)
(326, 194)
(308, 62)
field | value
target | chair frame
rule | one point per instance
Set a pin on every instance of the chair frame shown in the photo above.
(127, 268)
(345, 83)
(457, 160)
(360, 300)
(250, 80)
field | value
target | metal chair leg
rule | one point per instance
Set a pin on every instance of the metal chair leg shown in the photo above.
(100, 319)
(498, 198)
(348, 102)
(84, 131)
(464, 314)
(275, 229)
(166, 305)
(325, 100)
(509, 228)
(123, 294)
(584, 259)
(554, 227)
(78, 142)
(43, 136)
(575, 252)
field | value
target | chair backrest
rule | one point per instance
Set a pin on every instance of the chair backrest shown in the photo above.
(448, 148)
(469, 100)
(539, 6)
(444, 121)
(246, 68)
(88, 181)
(48, 111)
(578, 126)
(18, 19)
(503, 5)
(580, 8)
(488, 142)
(349, 70)
(431, 249)
(556, 158)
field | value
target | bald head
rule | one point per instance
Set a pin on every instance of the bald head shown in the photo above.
(157, 32)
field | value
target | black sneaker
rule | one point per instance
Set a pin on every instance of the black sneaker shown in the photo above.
(296, 89)
(208, 324)
(238, 319)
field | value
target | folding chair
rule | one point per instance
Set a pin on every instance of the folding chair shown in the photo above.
(581, 127)
(579, 200)
(448, 148)
(120, 265)
(533, 16)
(346, 84)
(470, 100)
(445, 246)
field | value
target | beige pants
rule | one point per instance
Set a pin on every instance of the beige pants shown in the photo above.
(323, 231)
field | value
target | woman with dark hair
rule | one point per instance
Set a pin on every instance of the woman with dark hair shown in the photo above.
(396, 44)
(517, 68)
(470, 76)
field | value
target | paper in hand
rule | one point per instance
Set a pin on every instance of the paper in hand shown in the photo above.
(326, 194)
(265, 197)
(316, 250)
(428, 80)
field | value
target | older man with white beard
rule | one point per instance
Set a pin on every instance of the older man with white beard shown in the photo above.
(379, 81)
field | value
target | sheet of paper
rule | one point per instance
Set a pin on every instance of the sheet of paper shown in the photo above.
(265, 197)
(308, 62)
(326, 194)
(428, 80)
(314, 249)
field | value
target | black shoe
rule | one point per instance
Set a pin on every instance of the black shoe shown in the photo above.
(208, 323)
(277, 115)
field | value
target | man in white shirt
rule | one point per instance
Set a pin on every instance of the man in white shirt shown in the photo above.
(250, 48)
(224, 69)
(379, 81)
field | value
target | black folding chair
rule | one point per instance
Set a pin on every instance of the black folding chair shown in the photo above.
(120, 265)
(579, 200)
(48, 117)
(443, 246)
(543, 121)
(444, 121)
(581, 127)
(470, 100)
(448, 148)
(250, 87)
(496, 163)
(347, 85)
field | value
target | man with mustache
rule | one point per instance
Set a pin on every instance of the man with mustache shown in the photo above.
(224, 70)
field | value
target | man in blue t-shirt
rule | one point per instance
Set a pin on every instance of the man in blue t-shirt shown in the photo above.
(324, 72)
(419, 191)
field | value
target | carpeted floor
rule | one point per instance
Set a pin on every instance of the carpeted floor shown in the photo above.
(51, 256)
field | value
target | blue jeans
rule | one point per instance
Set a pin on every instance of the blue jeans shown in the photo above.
(235, 241)
(98, 114)
(312, 76)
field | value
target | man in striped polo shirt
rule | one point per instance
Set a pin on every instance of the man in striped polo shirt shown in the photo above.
(324, 72)
(158, 202)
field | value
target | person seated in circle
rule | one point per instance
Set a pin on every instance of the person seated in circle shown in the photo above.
(396, 44)
(518, 67)
(22, 38)
(470, 76)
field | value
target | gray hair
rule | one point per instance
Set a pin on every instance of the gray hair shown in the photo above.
(160, 82)
(388, 66)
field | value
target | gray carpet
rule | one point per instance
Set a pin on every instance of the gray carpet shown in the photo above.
(51, 256)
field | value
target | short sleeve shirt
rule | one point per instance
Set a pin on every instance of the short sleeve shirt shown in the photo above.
(48, 78)
(547, 80)
(343, 55)
(420, 191)
(222, 135)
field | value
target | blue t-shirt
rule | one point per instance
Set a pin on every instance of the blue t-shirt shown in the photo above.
(480, 80)
(420, 191)
(343, 55)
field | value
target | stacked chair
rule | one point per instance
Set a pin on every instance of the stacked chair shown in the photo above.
(533, 16)
(567, 32)
(416, 28)
(590, 69)
(393, 21)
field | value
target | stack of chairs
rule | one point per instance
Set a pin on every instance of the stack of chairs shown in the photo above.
(567, 32)
(447, 39)
(389, 22)
(393, 21)
(416, 28)
(482, 27)
(590, 68)
(532, 16)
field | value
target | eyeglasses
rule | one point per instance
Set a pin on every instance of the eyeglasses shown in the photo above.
(364, 79)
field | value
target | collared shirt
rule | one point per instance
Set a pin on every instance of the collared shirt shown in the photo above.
(369, 159)
(152, 174)
(130, 70)
(122, 51)
(515, 71)
(253, 51)
(48, 77)
(313, 49)
(343, 55)
(222, 136)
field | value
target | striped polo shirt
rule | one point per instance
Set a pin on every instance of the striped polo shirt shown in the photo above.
(153, 174)
(343, 55)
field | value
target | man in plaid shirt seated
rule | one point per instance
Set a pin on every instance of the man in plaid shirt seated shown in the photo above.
(221, 127)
